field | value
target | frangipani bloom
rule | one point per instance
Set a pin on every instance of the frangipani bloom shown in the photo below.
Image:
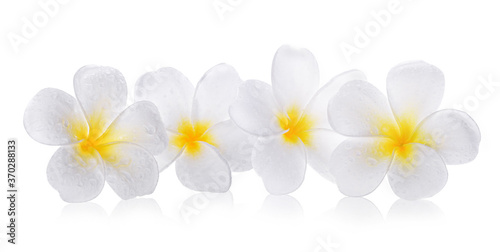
(289, 118)
(205, 143)
(101, 140)
(404, 138)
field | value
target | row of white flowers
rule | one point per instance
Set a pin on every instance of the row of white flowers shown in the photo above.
(347, 130)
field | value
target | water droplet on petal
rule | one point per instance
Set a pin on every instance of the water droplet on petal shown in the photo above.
(371, 161)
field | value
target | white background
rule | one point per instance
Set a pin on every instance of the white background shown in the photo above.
(461, 38)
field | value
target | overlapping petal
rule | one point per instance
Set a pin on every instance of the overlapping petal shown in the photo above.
(414, 88)
(322, 143)
(234, 145)
(453, 134)
(360, 109)
(141, 124)
(216, 90)
(131, 171)
(53, 116)
(255, 109)
(295, 76)
(206, 171)
(77, 178)
(169, 154)
(420, 175)
(170, 91)
(359, 165)
(281, 166)
(317, 107)
(102, 93)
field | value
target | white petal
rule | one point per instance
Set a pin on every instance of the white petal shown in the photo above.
(102, 93)
(169, 154)
(205, 171)
(359, 166)
(360, 109)
(140, 124)
(415, 88)
(77, 177)
(255, 109)
(453, 134)
(170, 91)
(322, 144)
(421, 175)
(282, 166)
(233, 144)
(216, 90)
(295, 76)
(131, 171)
(317, 107)
(53, 116)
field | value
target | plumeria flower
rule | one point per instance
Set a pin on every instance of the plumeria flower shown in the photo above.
(205, 144)
(101, 140)
(404, 137)
(289, 118)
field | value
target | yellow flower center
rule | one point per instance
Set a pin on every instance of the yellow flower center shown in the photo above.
(298, 125)
(191, 134)
(92, 134)
(400, 137)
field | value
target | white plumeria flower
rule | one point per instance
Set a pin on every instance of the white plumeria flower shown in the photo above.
(101, 140)
(290, 119)
(205, 143)
(404, 138)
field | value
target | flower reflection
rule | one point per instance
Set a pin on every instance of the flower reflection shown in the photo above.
(357, 211)
(199, 205)
(282, 207)
(415, 211)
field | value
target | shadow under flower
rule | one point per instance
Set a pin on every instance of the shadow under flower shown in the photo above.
(83, 211)
(283, 207)
(136, 214)
(357, 211)
(82, 222)
(417, 211)
(140, 208)
(201, 205)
